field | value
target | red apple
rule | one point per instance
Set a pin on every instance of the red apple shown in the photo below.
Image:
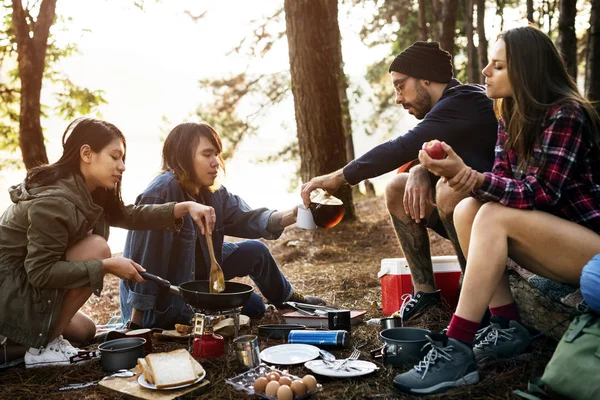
(434, 149)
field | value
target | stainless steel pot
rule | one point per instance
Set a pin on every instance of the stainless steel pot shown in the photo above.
(402, 346)
(121, 353)
(390, 322)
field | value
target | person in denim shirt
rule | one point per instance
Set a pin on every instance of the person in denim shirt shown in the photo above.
(54, 252)
(191, 162)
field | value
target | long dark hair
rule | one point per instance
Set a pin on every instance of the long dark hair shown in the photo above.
(539, 80)
(97, 134)
(178, 152)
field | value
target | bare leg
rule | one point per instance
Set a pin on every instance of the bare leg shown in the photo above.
(10, 350)
(540, 242)
(468, 210)
(446, 200)
(413, 237)
(73, 324)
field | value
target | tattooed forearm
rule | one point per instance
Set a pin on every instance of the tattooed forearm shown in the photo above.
(415, 245)
(448, 221)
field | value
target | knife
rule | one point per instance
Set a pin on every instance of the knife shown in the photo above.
(300, 310)
(318, 310)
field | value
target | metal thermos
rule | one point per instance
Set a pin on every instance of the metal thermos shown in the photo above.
(337, 338)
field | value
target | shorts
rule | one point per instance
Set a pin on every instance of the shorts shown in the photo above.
(434, 222)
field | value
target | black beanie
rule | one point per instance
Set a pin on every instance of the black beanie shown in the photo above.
(424, 60)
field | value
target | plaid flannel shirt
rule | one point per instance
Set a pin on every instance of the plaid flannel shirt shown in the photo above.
(563, 178)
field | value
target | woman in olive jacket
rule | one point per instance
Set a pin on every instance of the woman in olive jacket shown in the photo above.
(53, 242)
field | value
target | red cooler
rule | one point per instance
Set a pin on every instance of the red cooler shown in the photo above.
(396, 280)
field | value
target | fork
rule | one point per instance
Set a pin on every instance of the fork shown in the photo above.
(354, 356)
(330, 361)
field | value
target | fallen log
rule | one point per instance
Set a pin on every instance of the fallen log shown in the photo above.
(539, 311)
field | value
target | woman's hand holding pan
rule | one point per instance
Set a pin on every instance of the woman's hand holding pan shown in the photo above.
(123, 268)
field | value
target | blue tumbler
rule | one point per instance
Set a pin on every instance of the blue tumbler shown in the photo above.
(329, 339)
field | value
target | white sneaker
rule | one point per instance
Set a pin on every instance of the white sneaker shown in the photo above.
(58, 352)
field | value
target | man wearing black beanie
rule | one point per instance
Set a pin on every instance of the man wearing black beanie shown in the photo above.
(460, 115)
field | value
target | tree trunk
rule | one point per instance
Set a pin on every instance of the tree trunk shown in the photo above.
(449, 26)
(346, 117)
(32, 42)
(592, 75)
(472, 61)
(437, 9)
(500, 13)
(547, 9)
(422, 20)
(530, 11)
(567, 40)
(483, 43)
(314, 48)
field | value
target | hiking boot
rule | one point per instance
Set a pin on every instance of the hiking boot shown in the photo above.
(448, 364)
(298, 297)
(501, 339)
(58, 352)
(417, 305)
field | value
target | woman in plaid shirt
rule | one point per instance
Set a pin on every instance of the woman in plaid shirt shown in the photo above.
(540, 205)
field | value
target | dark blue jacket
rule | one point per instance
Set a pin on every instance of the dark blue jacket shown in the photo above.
(173, 255)
(463, 117)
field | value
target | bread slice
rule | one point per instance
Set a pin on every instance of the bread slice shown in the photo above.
(183, 329)
(197, 367)
(146, 370)
(171, 369)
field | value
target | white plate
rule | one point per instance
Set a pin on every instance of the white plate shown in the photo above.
(142, 381)
(363, 368)
(289, 354)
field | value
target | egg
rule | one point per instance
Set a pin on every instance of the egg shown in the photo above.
(260, 384)
(285, 393)
(310, 382)
(298, 388)
(271, 389)
(285, 380)
(273, 376)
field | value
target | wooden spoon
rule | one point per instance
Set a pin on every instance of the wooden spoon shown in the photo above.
(216, 280)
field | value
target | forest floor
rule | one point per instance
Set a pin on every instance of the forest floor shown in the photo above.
(338, 264)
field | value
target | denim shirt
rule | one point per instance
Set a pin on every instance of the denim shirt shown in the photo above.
(172, 256)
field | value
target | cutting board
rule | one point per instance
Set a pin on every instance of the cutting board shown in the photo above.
(131, 389)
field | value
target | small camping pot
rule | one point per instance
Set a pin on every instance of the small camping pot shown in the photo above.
(121, 353)
(390, 322)
(402, 346)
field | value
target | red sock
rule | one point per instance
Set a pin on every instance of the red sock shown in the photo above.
(509, 311)
(462, 329)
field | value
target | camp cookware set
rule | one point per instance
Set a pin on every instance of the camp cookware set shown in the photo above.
(402, 346)
(197, 293)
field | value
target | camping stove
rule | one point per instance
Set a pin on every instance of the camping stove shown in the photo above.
(208, 344)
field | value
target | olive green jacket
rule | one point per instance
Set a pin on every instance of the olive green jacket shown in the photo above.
(35, 233)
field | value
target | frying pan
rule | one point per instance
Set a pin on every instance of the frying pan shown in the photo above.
(197, 293)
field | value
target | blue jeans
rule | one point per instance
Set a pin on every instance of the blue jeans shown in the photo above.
(254, 259)
(590, 283)
(250, 258)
